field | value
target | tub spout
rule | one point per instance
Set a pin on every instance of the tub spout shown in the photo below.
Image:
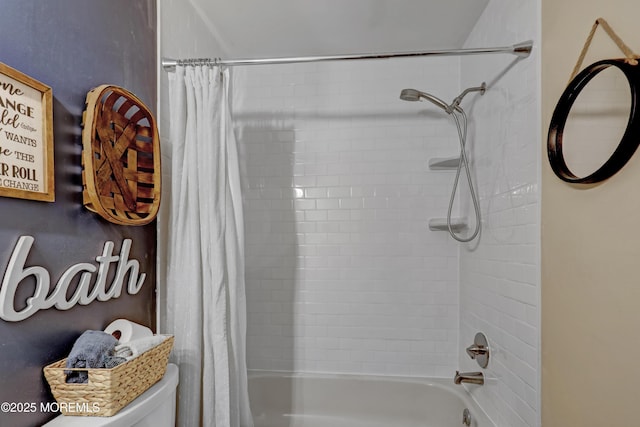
(469, 377)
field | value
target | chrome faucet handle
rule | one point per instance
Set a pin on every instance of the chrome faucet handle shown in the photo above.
(479, 350)
(476, 350)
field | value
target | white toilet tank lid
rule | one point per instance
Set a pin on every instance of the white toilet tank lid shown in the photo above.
(133, 412)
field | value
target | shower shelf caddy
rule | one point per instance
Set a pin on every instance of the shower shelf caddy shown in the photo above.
(440, 224)
(446, 163)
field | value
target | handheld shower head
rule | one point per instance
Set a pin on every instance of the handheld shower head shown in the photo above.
(410, 95)
(415, 95)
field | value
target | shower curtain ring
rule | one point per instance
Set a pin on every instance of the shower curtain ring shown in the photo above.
(220, 70)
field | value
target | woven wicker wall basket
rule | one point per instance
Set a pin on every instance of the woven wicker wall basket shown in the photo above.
(120, 157)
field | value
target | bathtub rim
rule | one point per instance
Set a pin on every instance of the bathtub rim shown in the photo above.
(445, 384)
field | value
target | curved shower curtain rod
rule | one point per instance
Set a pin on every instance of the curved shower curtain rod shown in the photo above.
(519, 49)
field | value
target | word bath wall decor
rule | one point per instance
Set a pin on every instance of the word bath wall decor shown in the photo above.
(85, 292)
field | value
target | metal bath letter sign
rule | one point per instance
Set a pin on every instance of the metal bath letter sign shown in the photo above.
(84, 294)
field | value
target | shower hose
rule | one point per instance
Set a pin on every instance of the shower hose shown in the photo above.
(461, 123)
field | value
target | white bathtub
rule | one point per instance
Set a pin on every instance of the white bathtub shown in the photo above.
(311, 400)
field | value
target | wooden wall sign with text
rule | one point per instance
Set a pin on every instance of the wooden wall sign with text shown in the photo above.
(26, 137)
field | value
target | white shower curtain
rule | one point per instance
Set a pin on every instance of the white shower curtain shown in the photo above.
(206, 305)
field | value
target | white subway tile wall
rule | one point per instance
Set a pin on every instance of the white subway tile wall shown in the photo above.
(342, 273)
(500, 276)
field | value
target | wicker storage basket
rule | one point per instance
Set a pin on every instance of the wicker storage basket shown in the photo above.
(108, 390)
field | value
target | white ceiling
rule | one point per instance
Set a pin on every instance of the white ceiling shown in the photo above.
(273, 28)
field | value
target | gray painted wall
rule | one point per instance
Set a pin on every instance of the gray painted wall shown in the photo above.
(72, 46)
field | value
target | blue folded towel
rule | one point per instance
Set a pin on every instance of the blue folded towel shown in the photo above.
(93, 349)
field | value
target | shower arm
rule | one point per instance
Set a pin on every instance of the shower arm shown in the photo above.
(455, 105)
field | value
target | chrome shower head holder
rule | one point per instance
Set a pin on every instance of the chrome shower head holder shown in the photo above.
(458, 99)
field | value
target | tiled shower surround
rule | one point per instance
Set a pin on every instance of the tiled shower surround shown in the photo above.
(343, 274)
(500, 277)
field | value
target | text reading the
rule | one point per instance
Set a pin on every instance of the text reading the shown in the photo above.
(85, 291)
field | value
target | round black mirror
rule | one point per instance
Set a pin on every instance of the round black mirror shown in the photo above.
(605, 113)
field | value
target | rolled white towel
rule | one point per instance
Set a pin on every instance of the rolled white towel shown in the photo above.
(136, 347)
